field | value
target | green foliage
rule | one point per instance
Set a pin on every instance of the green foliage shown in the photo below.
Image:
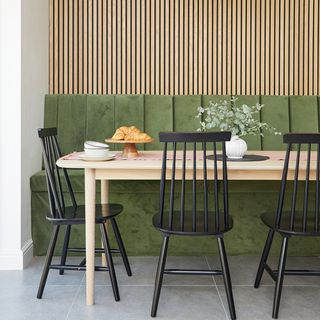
(228, 116)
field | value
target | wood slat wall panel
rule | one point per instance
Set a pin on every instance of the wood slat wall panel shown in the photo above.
(242, 47)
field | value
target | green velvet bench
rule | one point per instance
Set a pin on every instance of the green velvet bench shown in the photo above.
(95, 117)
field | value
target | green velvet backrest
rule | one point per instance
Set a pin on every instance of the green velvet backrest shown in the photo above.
(95, 117)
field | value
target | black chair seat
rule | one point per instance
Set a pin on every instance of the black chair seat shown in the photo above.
(213, 229)
(77, 216)
(268, 218)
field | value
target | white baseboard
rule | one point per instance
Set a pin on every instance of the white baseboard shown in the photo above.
(27, 252)
(17, 260)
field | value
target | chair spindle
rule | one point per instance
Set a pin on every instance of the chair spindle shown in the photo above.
(295, 189)
(183, 186)
(163, 182)
(194, 191)
(205, 186)
(306, 192)
(283, 186)
(173, 177)
(216, 195)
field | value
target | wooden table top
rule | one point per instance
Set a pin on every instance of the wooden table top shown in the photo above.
(136, 169)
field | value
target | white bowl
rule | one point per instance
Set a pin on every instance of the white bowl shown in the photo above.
(96, 152)
(95, 145)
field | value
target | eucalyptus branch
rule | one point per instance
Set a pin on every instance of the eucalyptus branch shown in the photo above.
(229, 116)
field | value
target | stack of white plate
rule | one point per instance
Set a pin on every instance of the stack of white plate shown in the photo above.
(96, 151)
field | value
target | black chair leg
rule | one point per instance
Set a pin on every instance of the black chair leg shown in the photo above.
(226, 277)
(65, 248)
(264, 258)
(281, 269)
(48, 260)
(159, 275)
(121, 246)
(112, 272)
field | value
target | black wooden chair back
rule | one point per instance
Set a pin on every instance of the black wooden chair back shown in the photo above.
(55, 176)
(303, 218)
(202, 218)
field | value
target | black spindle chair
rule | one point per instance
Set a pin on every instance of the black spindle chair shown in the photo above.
(300, 220)
(210, 219)
(60, 214)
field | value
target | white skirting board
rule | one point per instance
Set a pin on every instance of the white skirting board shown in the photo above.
(17, 260)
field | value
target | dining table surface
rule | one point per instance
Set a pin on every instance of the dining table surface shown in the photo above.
(148, 167)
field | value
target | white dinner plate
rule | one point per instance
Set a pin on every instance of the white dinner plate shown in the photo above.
(86, 157)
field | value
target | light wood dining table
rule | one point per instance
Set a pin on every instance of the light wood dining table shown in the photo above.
(148, 167)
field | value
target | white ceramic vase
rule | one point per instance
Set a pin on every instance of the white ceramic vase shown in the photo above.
(236, 148)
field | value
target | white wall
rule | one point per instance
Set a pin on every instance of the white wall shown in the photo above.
(24, 26)
(35, 66)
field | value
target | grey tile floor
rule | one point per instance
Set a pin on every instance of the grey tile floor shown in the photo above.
(183, 297)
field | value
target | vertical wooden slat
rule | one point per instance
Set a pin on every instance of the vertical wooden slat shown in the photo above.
(99, 47)
(70, 47)
(263, 49)
(200, 47)
(186, 47)
(195, 14)
(143, 46)
(239, 51)
(310, 49)
(296, 47)
(316, 33)
(234, 47)
(306, 47)
(181, 47)
(267, 48)
(176, 46)
(287, 35)
(229, 48)
(244, 47)
(205, 48)
(301, 46)
(65, 47)
(258, 34)
(272, 46)
(75, 55)
(276, 47)
(248, 45)
(61, 56)
(157, 47)
(210, 48)
(291, 48)
(56, 31)
(138, 47)
(114, 46)
(111, 43)
(104, 47)
(224, 36)
(162, 47)
(191, 40)
(85, 47)
(94, 48)
(148, 47)
(253, 55)
(152, 50)
(51, 46)
(220, 45)
(171, 51)
(167, 47)
(90, 46)
(133, 47)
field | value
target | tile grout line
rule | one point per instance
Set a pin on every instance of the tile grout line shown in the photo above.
(215, 284)
(75, 297)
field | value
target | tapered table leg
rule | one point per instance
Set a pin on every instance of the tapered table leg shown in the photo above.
(90, 202)
(104, 199)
